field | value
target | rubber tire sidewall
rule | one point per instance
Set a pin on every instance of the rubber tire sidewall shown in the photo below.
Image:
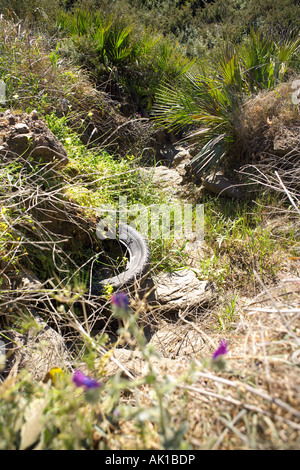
(138, 263)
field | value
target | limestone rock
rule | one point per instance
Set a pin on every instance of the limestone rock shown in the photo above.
(21, 128)
(181, 156)
(37, 351)
(27, 136)
(133, 363)
(175, 340)
(217, 183)
(164, 178)
(181, 291)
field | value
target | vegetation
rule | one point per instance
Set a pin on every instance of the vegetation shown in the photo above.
(211, 99)
(120, 56)
(105, 76)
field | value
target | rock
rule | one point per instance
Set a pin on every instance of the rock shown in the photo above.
(37, 351)
(20, 143)
(3, 148)
(27, 136)
(182, 156)
(174, 340)
(172, 155)
(217, 183)
(133, 364)
(194, 251)
(181, 161)
(33, 115)
(181, 291)
(49, 154)
(21, 128)
(287, 140)
(11, 119)
(41, 347)
(164, 178)
(29, 281)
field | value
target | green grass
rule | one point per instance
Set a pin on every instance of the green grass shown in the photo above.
(239, 241)
(227, 316)
(100, 177)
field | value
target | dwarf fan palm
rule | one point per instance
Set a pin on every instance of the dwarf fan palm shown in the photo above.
(263, 61)
(203, 107)
(206, 104)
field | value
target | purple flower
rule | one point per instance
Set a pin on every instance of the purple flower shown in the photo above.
(82, 380)
(120, 300)
(222, 349)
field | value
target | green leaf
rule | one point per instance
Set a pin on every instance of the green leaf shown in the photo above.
(33, 425)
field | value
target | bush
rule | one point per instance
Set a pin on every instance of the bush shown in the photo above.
(122, 54)
(210, 99)
(37, 76)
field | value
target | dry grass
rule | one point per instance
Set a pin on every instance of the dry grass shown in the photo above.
(263, 121)
(254, 402)
(174, 399)
(251, 404)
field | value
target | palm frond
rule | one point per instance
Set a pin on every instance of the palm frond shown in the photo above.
(210, 156)
(206, 102)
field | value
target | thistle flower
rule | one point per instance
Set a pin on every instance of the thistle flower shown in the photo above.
(221, 351)
(120, 300)
(82, 380)
(217, 360)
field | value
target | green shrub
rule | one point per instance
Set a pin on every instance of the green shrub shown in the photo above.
(120, 51)
(209, 100)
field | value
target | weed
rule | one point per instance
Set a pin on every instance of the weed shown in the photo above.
(227, 316)
(237, 241)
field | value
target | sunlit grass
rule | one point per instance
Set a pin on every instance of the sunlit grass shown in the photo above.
(238, 241)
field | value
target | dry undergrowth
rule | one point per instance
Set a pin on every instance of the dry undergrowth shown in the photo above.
(251, 404)
(254, 402)
(266, 123)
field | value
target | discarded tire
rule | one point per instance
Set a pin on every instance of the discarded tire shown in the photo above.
(137, 252)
